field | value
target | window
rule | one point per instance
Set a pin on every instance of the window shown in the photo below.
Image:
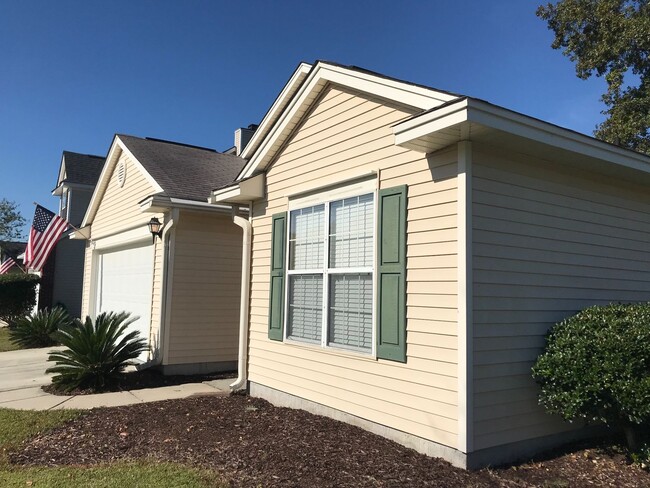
(64, 204)
(330, 273)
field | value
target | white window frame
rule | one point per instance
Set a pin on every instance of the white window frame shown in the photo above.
(326, 198)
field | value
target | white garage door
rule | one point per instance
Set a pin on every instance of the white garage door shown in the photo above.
(125, 281)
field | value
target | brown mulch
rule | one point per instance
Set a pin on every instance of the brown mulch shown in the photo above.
(147, 378)
(249, 442)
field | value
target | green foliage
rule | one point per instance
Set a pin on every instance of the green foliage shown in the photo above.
(610, 38)
(41, 329)
(17, 296)
(641, 456)
(596, 366)
(11, 221)
(96, 353)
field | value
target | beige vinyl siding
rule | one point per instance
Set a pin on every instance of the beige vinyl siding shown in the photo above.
(547, 242)
(119, 209)
(206, 289)
(347, 134)
(85, 294)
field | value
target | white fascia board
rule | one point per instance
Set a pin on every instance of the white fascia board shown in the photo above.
(288, 91)
(109, 164)
(117, 147)
(498, 118)
(323, 74)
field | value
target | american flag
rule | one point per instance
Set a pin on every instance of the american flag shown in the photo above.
(7, 265)
(43, 236)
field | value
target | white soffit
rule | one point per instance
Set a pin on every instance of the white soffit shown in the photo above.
(275, 131)
(241, 192)
(479, 121)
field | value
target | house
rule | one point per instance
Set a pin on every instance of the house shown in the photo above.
(62, 276)
(13, 250)
(410, 249)
(181, 282)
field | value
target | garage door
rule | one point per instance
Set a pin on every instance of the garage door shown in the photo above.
(125, 281)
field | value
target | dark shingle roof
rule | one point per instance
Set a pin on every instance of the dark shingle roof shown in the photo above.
(82, 169)
(184, 171)
(12, 248)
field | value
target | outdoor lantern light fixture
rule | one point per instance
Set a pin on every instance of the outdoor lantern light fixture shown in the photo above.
(155, 227)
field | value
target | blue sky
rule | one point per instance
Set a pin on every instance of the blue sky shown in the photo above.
(76, 72)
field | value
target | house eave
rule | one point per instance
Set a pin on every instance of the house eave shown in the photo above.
(161, 204)
(479, 121)
(243, 191)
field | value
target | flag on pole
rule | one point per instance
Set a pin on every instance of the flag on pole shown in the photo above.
(7, 265)
(43, 236)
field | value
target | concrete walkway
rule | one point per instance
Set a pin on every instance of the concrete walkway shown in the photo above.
(22, 373)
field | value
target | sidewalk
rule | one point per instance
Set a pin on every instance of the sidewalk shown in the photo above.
(34, 398)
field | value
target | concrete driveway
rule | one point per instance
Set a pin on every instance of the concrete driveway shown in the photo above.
(24, 368)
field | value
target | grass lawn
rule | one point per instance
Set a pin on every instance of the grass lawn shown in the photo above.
(5, 343)
(17, 425)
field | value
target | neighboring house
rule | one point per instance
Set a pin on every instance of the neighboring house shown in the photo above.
(62, 276)
(13, 250)
(410, 249)
(183, 285)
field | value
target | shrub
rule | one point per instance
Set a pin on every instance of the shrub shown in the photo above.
(17, 296)
(39, 330)
(596, 367)
(96, 353)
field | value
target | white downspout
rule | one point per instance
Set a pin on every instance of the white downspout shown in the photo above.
(165, 239)
(242, 377)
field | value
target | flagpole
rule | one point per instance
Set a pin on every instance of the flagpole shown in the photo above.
(75, 228)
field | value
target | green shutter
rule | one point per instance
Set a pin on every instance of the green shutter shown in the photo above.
(391, 274)
(278, 272)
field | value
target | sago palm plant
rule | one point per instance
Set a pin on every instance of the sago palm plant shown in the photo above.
(41, 329)
(96, 353)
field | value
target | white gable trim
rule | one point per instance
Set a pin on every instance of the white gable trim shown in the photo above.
(320, 76)
(276, 109)
(117, 147)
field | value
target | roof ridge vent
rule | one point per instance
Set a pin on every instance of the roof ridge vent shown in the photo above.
(181, 144)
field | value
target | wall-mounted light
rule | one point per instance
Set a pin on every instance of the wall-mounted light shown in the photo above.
(155, 227)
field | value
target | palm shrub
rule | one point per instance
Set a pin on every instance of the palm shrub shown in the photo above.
(96, 353)
(41, 329)
(596, 368)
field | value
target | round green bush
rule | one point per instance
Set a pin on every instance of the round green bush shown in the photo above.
(596, 367)
(17, 296)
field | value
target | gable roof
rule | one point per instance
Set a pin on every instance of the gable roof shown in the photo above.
(183, 171)
(175, 170)
(80, 169)
(307, 83)
(464, 117)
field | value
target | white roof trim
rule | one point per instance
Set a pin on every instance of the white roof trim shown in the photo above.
(280, 102)
(158, 203)
(273, 129)
(117, 147)
(499, 118)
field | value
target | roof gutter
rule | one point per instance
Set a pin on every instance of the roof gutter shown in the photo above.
(242, 378)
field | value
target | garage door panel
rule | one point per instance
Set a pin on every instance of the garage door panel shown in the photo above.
(125, 284)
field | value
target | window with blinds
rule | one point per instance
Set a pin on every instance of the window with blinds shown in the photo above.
(330, 287)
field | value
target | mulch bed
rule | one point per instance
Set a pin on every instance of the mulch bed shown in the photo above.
(147, 378)
(249, 442)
